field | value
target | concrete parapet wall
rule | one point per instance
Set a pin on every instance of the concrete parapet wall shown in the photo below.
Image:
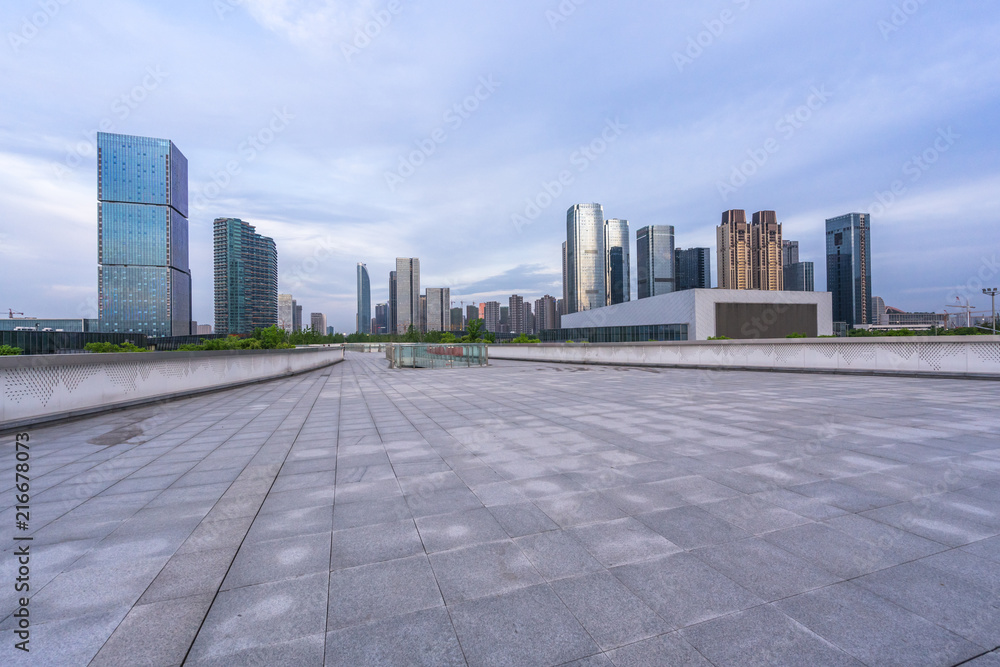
(41, 388)
(956, 356)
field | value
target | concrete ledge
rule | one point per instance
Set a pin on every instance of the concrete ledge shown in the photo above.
(911, 356)
(45, 388)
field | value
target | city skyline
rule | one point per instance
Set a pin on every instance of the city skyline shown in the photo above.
(897, 125)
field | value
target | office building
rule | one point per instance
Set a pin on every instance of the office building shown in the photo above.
(317, 322)
(491, 315)
(144, 280)
(693, 268)
(456, 319)
(565, 276)
(848, 268)
(516, 314)
(407, 294)
(422, 318)
(329, 330)
(471, 313)
(246, 278)
(618, 276)
(297, 319)
(286, 312)
(800, 277)
(789, 252)
(438, 308)
(204, 329)
(733, 250)
(505, 319)
(381, 318)
(766, 251)
(585, 258)
(654, 252)
(364, 312)
(393, 303)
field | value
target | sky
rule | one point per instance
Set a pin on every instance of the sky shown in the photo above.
(460, 133)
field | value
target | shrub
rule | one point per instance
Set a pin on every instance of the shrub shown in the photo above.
(6, 350)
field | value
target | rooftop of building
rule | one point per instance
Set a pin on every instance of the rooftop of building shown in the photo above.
(521, 514)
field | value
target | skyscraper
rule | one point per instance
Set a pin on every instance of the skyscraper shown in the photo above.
(694, 268)
(286, 312)
(766, 252)
(144, 281)
(654, 251)
(618, 277)
(364, 317)
(393, 303)
(491, 316)
(456, 319)
(565, 276)
(789, 252)
(516, 314)
(246, 278)
(733, 248)
(529, 318)
(471, 313)
(407, 294)
(585, 257)
(798, 276)
(546, 313)
(381, 318)
(296, 317)
(317, 322)
(849, 268)
(438, 308)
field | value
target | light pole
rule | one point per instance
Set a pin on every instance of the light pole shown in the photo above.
(992, 293)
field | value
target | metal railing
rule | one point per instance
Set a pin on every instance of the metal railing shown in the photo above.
(431, 355)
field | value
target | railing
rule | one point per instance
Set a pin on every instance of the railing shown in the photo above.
(429, 355)
(365, 347)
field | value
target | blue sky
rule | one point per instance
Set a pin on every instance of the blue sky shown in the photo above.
(364, 130)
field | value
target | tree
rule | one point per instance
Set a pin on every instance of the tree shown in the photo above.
(6, 350)
(412, 335)
(475, 332)
(523, 338)
(489, 337)
(448, 337)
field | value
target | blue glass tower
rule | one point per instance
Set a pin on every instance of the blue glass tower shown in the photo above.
(849, 268)
(364, 300)
(246, 278)
(144, 281)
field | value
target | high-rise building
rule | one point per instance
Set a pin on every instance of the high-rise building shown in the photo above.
(516, 314)
(381, 318)
(565, 276)
(329, 330)
(529, 318)
(800, 277)
(286, 312)
(654, 253)
(617, 275)
(364, 316)
(849, 268)
(297, 317)
(144, 280)
(546, 313)
(407, 294)
(735, 263)
(438, 308)
(789, 252)
(585, 257)
(456, 319)
(393, 303)
(471, 313)
(694, 268)
(766, 252)
(422, 325)
(246, 278)
(491, 315)
(317, 322)
(204, 329)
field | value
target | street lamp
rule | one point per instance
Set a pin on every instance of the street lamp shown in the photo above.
(992, 293)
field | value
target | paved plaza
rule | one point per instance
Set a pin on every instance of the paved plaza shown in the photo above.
(521, 514)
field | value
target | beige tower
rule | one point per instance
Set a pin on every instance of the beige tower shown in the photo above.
(765, 248)
(734, 256)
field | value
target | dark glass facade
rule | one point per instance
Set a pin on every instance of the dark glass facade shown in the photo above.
(144, 280)
(800, 277)
(246, 278)
(694, 268)
(654, 250)
(849, 268)
(364, 322)
(634, 334)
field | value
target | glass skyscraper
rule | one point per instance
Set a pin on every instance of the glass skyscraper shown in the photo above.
(246, 278)
(585, 258)
(407, 302)
(849, 268)
(364, 300)
(144, 281)
(654, 251)
(618, 276)
(694, 268)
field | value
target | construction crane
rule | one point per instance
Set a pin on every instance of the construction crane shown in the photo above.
(11, 313)
(967, 308)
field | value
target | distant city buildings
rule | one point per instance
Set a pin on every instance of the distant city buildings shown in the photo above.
(491, 315)
(144, 280)
(317, 322)
(585, 258)
(750, 255)
(364, 312)
(393, 303)
(438, 308)
(286, 312)
(618, 276)
(246, 278)
(765, 249)
(516, 317)
(693, 268)
(297, 318)
(204, 329)
(546, 313)
(654, 251)
(471, 313)
(848, 268)
(407, 311)
(456, 319)
(381, 318)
